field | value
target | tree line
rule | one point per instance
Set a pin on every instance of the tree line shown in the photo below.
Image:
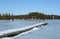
(31, 15)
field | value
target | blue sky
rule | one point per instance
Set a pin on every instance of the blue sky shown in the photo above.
(17, 7)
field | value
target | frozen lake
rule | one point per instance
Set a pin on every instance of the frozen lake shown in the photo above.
(50, 31)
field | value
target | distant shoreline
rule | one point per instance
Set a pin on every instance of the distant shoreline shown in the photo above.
(30, 16)
(29, 19)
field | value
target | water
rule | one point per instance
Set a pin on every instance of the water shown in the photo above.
(50, 31)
